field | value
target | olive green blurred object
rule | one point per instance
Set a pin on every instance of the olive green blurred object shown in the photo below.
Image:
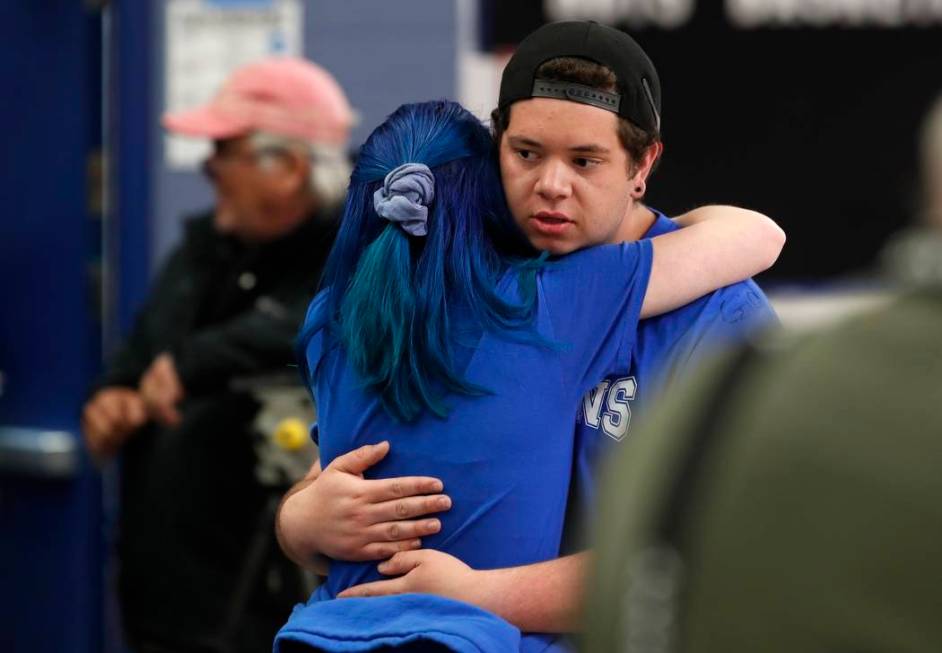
(811, 518)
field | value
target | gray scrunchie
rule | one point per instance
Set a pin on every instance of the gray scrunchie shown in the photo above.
(404, 197)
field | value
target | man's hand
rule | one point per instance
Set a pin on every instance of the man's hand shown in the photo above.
(545, 597)
(343, 516)
(426, 572)
(161, 390)
(109, 417)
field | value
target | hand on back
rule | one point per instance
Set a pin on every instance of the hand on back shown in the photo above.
(344, 516)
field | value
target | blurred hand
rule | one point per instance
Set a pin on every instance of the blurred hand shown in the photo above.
(109, 417)
(341, 515)
(161, 390)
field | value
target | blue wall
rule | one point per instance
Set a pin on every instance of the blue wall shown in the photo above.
(50, 556)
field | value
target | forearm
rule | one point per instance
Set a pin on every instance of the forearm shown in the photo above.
(290, 530)
(259, 340)
(722, 245)
(544, 597)
(247, 346)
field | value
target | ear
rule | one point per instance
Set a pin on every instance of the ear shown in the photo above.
(640, 177)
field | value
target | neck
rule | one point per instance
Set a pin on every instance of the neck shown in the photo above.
(638, 220)
(280, 221)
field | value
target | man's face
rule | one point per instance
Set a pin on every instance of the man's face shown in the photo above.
(565, 174)
(247, 194)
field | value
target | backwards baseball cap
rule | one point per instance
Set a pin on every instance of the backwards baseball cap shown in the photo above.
(283, 95)
(638, 90)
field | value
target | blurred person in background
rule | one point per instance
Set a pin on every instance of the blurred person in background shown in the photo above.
(788, 499)
(225, 305)
(913, 255)
(931, 159)
(578, 131)
(930, 145)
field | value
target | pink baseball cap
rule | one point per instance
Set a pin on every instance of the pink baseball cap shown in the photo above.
(283, 95)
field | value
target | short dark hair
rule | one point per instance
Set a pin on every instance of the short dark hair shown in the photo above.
(634, 139)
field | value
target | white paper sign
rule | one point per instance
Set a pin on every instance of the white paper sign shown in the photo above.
(206, 41)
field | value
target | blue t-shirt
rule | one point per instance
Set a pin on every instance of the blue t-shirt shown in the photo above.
(666, 345)
(505, 458)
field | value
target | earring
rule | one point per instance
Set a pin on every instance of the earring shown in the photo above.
(640, 188)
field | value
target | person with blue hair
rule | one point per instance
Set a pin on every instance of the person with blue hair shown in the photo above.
(441, 331)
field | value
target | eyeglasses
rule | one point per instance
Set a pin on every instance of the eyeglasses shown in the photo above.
(224, 158)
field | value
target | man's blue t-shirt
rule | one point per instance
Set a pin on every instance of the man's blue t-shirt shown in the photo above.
(505, 458)
(666, 345)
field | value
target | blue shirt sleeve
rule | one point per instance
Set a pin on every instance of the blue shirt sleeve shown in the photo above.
(720, 320)
(594, 300)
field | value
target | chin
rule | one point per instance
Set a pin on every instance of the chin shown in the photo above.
(554, 247)
(223, 226)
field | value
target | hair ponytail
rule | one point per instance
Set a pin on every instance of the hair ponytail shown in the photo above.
(395, 287)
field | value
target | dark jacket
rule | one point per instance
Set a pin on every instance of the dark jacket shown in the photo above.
(190, 500)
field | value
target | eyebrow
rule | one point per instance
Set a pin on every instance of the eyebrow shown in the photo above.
(523, 141)
(590, 149)
(518, 141)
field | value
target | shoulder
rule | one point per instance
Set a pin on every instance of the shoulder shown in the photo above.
(661, 225)
(198, 227)
(739, 307)
(603, 273)
(201, 245)
(312, 339)
(743, 301)
(592, 258)
(316, 316)
(192, 253)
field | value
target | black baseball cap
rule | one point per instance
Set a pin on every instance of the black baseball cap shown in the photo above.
(638, 96)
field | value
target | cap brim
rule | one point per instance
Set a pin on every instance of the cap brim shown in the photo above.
(203, 122)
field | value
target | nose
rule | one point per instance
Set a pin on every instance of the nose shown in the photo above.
(553, 182)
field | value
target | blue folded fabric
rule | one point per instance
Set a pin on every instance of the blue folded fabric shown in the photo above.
(402, 621)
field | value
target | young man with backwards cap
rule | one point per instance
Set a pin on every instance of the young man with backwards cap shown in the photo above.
(578, 130)
(227, 303)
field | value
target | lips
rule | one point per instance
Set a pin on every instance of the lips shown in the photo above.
(550, 223)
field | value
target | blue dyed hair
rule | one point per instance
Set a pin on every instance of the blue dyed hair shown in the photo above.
(393, 298)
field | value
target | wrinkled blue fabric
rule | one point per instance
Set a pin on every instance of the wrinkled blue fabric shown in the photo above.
(404, 197)
(405, 622)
